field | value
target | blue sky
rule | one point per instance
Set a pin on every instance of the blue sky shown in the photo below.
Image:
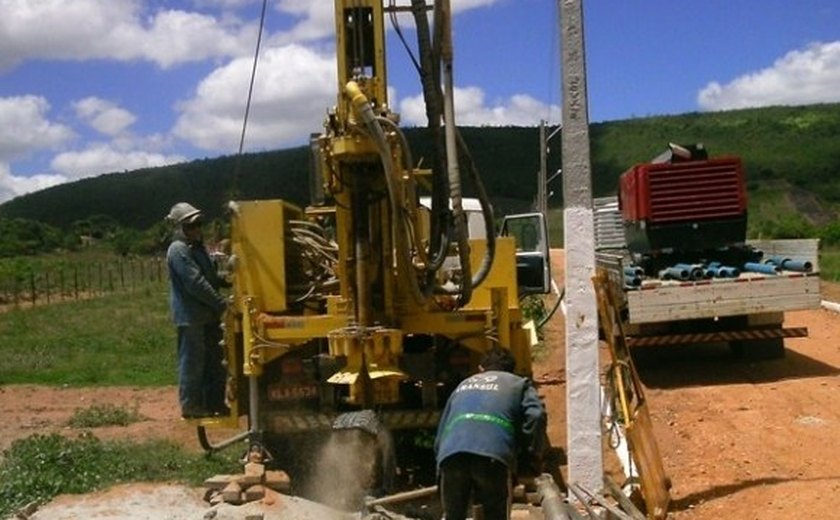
(97, 86)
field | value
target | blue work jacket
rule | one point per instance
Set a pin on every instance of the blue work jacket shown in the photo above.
(494, 414)
(194, 296)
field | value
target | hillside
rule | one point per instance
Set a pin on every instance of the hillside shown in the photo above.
(792, 156)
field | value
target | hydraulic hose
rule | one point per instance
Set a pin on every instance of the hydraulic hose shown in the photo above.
(486, 212)
(430, 79)
(408, 164)
(363, 109)
(560, 294)
(458, 216)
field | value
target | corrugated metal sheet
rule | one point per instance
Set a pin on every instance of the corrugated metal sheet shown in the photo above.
(609, 229)
(695, 191)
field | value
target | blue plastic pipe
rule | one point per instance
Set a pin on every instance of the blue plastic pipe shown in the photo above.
(755, 267)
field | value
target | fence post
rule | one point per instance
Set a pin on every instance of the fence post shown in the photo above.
(47, 281)
(76, 281)
(122, 276)
(32, 286)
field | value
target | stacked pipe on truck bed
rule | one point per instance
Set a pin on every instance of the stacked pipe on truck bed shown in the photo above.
(729, 263)
(789, 264)
(725, 262)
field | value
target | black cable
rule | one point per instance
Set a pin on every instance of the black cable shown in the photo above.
(396, 25)
(238, 165)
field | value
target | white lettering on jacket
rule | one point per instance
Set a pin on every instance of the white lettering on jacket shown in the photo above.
(480, 382)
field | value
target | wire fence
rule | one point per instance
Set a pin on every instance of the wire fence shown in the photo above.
(44, 285)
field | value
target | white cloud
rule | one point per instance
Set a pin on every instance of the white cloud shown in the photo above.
(115, 29)
(105, 158)
(12, 186)
(224, 4)
(810, 75)
(104, 116)
(177, 36)
(465, 5)
(471, 109)
(317, 18)
(294, 86)
(25, 128)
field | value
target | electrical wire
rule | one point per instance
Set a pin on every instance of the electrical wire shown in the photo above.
(561, 294)
(392, 14)
(238, 166)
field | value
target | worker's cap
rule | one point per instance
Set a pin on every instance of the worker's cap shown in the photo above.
(184, 213)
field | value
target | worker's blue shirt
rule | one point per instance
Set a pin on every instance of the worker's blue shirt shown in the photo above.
(193, 297)
(494, 414)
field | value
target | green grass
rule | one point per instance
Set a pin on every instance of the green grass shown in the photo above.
(104, 415)
(40, 467)
(830, 264)
(122, 338)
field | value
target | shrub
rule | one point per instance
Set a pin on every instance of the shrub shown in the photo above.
(104, 415)
(40, 467)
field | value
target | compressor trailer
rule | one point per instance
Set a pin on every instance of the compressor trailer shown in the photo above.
(673, 241)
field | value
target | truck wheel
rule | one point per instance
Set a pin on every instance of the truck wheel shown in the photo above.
(758, 349)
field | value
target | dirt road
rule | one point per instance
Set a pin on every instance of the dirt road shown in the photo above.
(740, 440)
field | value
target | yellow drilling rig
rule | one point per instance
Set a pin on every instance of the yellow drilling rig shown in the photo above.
(364, 310)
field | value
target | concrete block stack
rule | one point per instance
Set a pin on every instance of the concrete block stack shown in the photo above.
(255, 483)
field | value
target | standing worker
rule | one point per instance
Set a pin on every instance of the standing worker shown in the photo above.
(491, 420)
(197, 307)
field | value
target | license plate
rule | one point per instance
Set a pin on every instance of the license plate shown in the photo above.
(292, 392)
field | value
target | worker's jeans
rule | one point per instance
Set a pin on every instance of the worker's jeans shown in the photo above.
(201, 373)
(485, 480)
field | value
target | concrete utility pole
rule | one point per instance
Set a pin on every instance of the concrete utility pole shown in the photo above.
(582, 371)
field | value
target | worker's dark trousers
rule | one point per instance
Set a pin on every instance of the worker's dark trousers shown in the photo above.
(200, 370)
(485, 480)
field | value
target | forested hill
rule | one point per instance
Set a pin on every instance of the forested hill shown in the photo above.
(796, 148)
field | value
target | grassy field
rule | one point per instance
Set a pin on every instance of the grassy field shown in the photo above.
(830, 264)
(123, 338)
(126, 338)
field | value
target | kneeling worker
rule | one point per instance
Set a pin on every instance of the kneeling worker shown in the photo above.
(491, 419)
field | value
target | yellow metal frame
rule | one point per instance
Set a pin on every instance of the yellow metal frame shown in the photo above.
(361, 159)
(374, 86)
(634, 410)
